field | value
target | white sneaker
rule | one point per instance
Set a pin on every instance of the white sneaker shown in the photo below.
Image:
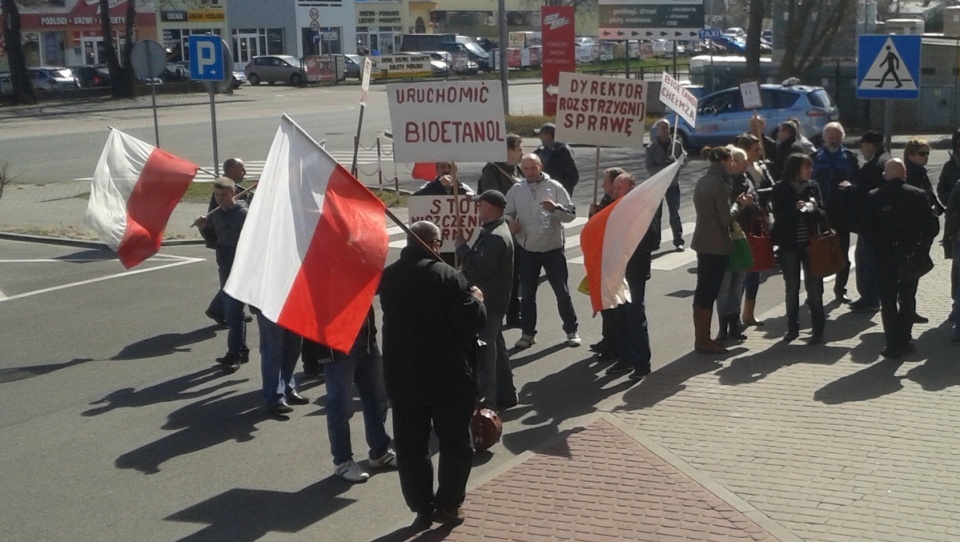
(350, 471)
(573, 339)
(526, 341)
(387, 461)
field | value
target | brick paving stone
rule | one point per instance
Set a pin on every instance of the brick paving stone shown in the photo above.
(821, 435)
(657, 502)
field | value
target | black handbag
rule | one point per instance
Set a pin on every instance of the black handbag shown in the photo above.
(913, 261)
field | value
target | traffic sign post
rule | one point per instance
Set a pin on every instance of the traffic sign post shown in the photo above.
(211, 63)
(888, 68)
(149, 59)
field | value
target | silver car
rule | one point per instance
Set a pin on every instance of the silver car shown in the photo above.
(53, 78)
(273, 69)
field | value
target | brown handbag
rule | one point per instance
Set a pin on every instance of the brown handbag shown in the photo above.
(826, 254)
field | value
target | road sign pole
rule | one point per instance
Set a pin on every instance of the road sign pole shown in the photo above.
(888, 124)
(356, 142)
(153, 98)
(213, 125)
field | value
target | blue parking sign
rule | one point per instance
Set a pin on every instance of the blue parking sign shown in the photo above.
(206, 58)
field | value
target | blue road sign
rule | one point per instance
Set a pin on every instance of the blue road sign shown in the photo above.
(206, 58)
(888, 67)
(710, 33)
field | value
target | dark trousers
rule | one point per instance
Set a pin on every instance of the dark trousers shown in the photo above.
(751, 285)
(513, 310)
(866, 272)
(673, 207)
(840, 283)
(710, 270)
(791, 260)
(634, 334)
(610, 329)
(450, 420)
(554, 263)
(898, 304)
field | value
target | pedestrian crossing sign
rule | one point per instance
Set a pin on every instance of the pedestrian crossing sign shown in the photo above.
(888, 67)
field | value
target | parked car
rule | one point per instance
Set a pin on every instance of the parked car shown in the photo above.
(461, 66)
(438, 68)
(92, 76)
(486, 43)
(721, 115)
(354, 65)
(239, 78)
(273, 69)
(53, 78)
(6, 85)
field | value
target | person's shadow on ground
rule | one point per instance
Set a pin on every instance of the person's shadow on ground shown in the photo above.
(166, 343)
(182, 388)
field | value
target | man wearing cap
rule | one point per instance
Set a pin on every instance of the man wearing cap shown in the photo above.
(871, 177)
(488, 265)
(557, 158)
(661, 152)
(536, 210)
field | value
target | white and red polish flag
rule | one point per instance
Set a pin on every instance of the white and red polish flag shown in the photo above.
(134, 190)
(314, 244)
(610, 237)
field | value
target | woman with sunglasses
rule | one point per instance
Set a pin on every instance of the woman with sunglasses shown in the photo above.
(916, 153)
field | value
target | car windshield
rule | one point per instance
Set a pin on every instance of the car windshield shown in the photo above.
(290, 60)
(63, 72)
(820, 98)
(475, 49)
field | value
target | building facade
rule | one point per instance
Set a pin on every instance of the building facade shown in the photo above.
(261, 27)
(177, 20)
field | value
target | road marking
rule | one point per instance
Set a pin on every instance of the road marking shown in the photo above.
(182, 261)
(2, 296)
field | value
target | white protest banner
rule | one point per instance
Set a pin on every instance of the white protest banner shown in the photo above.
(597, 110)
(442, 120)
(396, 66)
(681, 100)
(750, 93)
(365, 80)
(441, 211)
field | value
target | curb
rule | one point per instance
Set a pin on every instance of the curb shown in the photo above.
(80, 243)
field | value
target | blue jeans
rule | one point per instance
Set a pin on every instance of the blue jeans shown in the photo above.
(751, 285)
(362, 366)
(279, 350)
(233, 316)
(790, 262)
(673, 207)
(554, 262)
(867, 282)
(731, 291)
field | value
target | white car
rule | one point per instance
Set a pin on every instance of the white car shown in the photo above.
(53, 78)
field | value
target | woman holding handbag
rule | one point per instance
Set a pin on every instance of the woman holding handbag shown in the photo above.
(756, 224)
(798, 208)
(740, 261)
(711, 241)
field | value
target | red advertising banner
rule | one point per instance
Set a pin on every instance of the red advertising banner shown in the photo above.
(559, 51)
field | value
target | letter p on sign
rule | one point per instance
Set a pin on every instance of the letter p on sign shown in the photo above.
(206, 58)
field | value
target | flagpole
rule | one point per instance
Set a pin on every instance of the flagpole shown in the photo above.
(242, 192)
(676, 132)
(410, 234)
(356, 142)
(456, 206)
(596, 175)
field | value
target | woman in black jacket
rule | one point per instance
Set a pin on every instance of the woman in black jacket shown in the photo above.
(798, 208)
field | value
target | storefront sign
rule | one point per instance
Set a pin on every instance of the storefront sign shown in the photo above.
(559, 51)
(601, 110)
(205, 16)
(397, 66)
(445, 120)
(377, 17)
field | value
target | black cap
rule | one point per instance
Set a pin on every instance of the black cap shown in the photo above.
(493, 197)
(548, 127)
(873, 137)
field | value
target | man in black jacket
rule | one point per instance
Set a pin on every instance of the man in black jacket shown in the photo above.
(431, 318)
(488, 265)
(557, 158)
(899, 222)
(871, 177)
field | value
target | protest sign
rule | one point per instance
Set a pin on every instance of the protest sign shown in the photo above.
(601, 110)
(441, 211)
(393, 66)
(681, 100)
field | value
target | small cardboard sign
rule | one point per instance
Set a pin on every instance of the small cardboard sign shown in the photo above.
(750, 92)
(441, 211)
(605, 111)
(679, 99)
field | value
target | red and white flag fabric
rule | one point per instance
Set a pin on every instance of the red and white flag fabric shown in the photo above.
(610, 237)
(425, 171)
(134, 190)
(314, 244)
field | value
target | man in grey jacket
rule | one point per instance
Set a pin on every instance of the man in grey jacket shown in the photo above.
(536, 210)
(661, 152)
(488, 265)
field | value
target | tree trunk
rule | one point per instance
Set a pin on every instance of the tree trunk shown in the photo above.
(19, 74)
(813, 25)
(753, 39)
(120, 86)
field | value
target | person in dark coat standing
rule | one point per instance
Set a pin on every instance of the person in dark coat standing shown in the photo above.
(871, 177)
(557, 158)
(836, 171)
(488, 265)
(899, 222)
(949, 176)
(431, 319)
(661, 152)
(635, 351)
(608, 348)
(916, 153)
